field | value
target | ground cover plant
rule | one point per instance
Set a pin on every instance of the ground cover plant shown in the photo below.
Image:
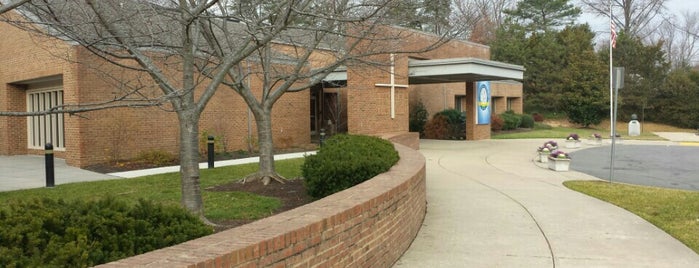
(47, 232)
(674, 211)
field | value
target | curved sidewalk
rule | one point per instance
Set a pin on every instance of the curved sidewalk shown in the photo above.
(491, 205)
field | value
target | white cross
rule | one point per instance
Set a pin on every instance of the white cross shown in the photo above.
(393, 86)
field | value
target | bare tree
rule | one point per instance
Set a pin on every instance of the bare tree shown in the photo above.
(10, 5)
(482, 17)
(190, 49)
(680, 39)
(634, 17)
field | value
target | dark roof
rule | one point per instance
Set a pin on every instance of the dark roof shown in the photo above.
(154, 27)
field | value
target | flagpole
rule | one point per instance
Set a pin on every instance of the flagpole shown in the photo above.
(612, 118)
(611, 86)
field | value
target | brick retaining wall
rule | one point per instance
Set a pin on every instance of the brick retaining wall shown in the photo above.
(369, 225)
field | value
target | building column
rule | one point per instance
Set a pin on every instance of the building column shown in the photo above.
(474, 131)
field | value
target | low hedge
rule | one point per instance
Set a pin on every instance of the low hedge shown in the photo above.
(56, 233)
(527, 121)
(511, 120)
(345, 161)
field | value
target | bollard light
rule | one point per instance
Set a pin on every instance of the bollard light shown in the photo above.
(48, 157)
(210, 151)
(322, 136)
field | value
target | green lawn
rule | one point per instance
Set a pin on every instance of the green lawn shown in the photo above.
(165, 188)
(543, 132)
(553, 133)
(674, 211)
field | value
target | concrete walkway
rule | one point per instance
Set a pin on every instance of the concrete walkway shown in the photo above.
(491, 205)
(27, 171)
(681, 137)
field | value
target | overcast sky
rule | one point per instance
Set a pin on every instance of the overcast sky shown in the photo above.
(601, 25)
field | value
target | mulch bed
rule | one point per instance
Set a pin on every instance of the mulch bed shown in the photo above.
(292, 194)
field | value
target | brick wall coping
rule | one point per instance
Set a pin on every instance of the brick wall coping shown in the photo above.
(369, 225)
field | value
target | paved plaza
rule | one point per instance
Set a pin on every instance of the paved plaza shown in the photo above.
(490, 204)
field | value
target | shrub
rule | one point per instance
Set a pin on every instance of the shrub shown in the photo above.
(456, 123)
(156, 157)
(437, 127)
(583, 112)
(511, 120)
(538, 117)
(527, 121)
(453, 116)
(219, 145)
(46, 232)
(496, 123)
(345, 161)
(418, 118)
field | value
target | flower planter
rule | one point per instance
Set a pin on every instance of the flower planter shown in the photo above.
(572, 144)
(544, 157)
(559, 164)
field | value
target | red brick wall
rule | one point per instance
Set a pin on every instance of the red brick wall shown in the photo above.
(13, 130)
(24, 57)
(507, 89)
(369, 106)
(436, 97)
(114, 134)
(133, 131)
(369, 225)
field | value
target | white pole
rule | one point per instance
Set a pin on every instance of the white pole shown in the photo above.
(612, 114)
(611, 86)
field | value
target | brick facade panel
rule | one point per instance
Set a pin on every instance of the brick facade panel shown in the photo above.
(116, 134)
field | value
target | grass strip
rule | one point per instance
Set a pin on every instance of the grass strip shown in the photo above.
(165, 189)
(674, 211)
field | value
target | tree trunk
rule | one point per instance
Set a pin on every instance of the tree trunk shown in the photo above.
(264, 135)
(189, 162)
(266, 172)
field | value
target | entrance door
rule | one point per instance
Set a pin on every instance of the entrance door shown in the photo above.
(316, 109)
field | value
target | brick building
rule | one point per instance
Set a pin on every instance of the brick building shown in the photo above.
(37, 73)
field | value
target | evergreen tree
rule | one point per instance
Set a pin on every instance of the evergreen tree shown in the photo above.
(646, 69)
(584, 84)
(540, 55)
(544, 15)
(677, 102)
(435, 15)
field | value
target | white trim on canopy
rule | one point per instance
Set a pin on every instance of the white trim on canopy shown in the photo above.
(461, 70)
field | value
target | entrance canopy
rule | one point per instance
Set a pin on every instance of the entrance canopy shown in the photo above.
(461, 70)
(451, 70)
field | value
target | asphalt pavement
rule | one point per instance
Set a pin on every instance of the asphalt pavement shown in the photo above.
(659, 165)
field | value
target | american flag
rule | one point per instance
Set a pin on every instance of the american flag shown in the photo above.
(613, 41)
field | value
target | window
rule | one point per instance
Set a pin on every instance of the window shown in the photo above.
(493, 102)
(42, 129)
(509, 103)
(459, 101)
